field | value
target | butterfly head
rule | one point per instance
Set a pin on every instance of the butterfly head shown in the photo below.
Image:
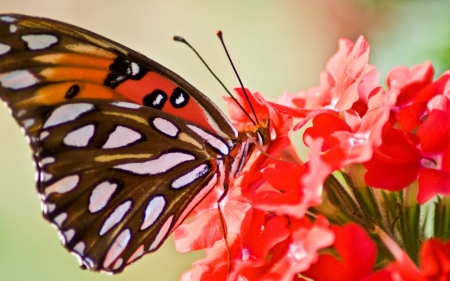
(262, 132)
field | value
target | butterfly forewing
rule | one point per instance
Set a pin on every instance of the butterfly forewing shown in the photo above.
(124, 147)
(49, 62)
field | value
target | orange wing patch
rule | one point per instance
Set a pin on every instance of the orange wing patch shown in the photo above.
(136, 90)
(57, 93)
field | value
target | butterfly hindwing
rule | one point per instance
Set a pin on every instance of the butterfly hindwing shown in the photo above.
(124, 170)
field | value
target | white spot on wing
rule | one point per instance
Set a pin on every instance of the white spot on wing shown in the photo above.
(165, 126)
(47, 160)
(158, 100)
(159, 165)
(100, 196)
(134, 68)
(115, 217)
(180, 99)
(7, 19)
(117, 247)
(88, 263)
(63, 185)
(12, 28)
(69, 235)
(211, 140)
(59, 220)
(43, 135)
(78, 252)
(188, 178)
(126, 104)
(21, 112)
(153, 211)
(4, 49)
(39, 41)
(80, 137)
(27, 123)
(50, 208)
(28, 138)
(117, 264)
(79, 248)
(121, 137)
(44, 207)
(17, 79)
(161, 234)
(66, 113)
(45, 176)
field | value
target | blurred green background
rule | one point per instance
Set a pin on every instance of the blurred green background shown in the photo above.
(276, 45)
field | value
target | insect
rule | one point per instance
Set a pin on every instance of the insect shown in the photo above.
(124, 148)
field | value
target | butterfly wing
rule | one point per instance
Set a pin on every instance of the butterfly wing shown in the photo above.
(124, 147)
(45, 62)
(116, 178)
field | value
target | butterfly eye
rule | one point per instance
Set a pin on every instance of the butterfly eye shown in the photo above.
(263, 133)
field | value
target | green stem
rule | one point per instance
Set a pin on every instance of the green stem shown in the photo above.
(442, 218)
(410, 222)
(369, 206)
(391, 201)
(338, 205)
(366, 198)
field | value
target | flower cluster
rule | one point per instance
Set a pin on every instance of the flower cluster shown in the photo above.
(371, 202)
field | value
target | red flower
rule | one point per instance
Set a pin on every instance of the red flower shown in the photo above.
(396, 163)
(357, 255)
(401, 136)
(404, 157)
(344, 86)
(268, 235)
(410, 116)
(434, 260)
(205, 229)
(291, 188)
(409, 81)
(351, 140)
(348, 77)
(401, 270)
(268, 248)
(297, 253)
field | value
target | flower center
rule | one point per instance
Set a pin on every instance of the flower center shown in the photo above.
(356, 141)
(245, 254)
(297, 251)
(432, 162)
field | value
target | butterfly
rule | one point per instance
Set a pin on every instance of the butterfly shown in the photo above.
(124, 148)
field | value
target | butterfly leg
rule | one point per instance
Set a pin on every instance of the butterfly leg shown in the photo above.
(223, 223)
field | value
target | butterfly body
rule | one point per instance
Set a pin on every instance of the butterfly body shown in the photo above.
(124, 147)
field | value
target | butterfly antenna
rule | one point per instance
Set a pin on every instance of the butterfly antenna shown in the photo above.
(182, 40)
(219, 34)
